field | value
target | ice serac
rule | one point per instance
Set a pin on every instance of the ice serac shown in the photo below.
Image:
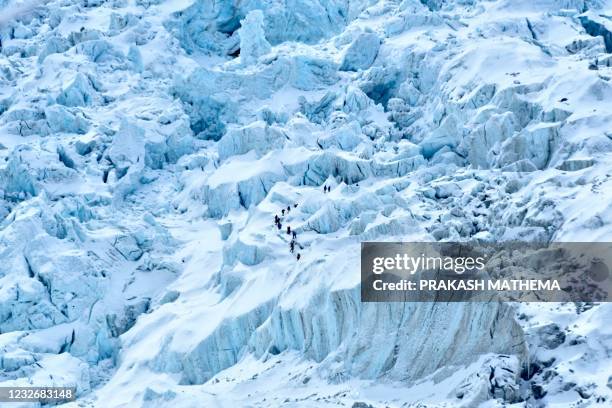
(80, 92)
(351, 339)
(253, 43)
(258, 137)
(398, 341)
(60, 119)
(361, 53)
(598, 26)
(206, 26)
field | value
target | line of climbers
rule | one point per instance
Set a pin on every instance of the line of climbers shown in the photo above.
(279, 225)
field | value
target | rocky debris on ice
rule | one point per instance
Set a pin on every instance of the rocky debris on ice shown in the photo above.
(498, 378)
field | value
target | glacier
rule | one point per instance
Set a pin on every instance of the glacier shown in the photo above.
(146, 146)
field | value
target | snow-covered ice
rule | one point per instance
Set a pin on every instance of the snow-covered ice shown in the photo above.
(146, 146)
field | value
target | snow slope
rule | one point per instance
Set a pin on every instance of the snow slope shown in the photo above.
(146, 146)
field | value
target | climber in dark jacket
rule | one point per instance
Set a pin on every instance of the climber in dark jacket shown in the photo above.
(294, 234)
(298, 256)
(288, 229)
(279, 225)
(283, 212)
(276, 219)
(288, 208)
(295, 205)
(292, 246)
